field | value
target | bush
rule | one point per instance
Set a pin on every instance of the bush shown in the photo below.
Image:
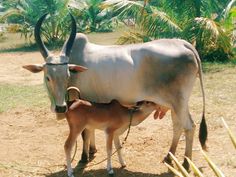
(13, 28)
(2, 36)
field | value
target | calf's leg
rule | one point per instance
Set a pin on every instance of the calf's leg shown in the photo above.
(74, 132)
(119, 150)
(109, 139)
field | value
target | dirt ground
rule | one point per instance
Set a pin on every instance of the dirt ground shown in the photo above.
(31, 139)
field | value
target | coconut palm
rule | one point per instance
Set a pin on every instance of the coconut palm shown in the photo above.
(27, 12)
(201, 22)
(91, 17)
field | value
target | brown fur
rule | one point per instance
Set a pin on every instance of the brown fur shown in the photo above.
(111, 117)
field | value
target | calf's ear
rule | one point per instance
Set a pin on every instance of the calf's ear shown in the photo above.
(77, 68)
(34, 68)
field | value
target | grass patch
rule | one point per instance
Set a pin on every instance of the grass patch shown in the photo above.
(13, 42)
(214, 67)
(12, 96)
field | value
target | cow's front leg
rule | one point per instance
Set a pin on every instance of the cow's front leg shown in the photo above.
(92, 146)
(85, 152)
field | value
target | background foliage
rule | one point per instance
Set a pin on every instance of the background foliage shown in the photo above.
(207, 24)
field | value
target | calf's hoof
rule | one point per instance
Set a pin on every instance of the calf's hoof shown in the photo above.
(70, 173)
(110, 172)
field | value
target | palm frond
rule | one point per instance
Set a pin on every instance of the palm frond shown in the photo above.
(159, 24)
(231, 135)
(215, 169)
(132, 37)
(208, 34)
(196, 171)
(176, 172)
(10, 12)
(180, 167)
(126, 8)
(228, 8)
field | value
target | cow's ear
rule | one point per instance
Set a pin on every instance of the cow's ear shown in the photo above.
(77, 68)
(34, 68)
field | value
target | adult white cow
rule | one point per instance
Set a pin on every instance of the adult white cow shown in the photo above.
(162, 71)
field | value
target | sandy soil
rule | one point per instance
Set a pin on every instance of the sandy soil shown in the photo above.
(32, 140)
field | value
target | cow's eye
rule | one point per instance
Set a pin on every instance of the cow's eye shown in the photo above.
(47, 78)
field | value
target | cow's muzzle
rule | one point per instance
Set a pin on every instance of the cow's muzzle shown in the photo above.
(61, 109)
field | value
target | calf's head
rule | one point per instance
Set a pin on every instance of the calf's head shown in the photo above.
(56, 68)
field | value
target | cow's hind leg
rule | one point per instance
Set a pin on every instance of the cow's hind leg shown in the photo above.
(189, 135)
(182, 121)
(177, 130)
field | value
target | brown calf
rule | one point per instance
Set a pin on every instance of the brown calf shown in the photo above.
(111, 117)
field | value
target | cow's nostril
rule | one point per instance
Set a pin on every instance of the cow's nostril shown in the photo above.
(60, 109)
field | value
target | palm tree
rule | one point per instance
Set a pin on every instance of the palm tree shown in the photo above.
(91, 16)
(27, 12)
(201, 22)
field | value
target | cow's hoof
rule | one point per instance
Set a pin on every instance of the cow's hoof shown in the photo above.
(91, 156)
(186, 165)
(84, 158)
(83, 161)
(92, 151)
(167, 160)
(123, 165)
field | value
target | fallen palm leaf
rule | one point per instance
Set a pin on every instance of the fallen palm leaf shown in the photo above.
(231, 135)
(196, 171)
(176, 172)
(216, 170)
(180, 167)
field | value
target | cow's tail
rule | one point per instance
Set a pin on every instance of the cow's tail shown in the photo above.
(203, 126)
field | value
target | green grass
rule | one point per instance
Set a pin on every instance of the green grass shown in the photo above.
(13, 42)
(213, 67)
(12, 96)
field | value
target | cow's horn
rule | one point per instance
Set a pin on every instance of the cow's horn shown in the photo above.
(71, 39)
(44, 51)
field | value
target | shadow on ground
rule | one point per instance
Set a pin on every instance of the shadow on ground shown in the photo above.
(103, 173)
